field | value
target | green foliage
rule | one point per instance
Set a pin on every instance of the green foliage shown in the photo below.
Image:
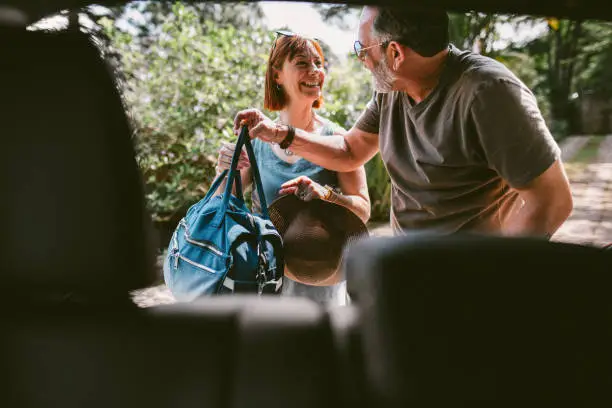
(474, 29)
(338, 14)
(379, 187)
(595, 74)
(186, 69)
(184, 89)
(348, 88)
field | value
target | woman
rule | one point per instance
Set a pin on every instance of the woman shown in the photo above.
(293, 86)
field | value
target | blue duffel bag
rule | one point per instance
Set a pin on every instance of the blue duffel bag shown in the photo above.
(220, 247)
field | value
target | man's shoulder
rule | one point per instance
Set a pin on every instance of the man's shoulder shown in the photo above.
(384, 98)
(475, 71)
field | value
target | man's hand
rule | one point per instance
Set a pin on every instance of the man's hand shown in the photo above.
(260, 126)
(545, 204)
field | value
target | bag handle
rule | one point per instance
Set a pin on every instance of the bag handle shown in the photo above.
(214, 186)
(257, 178)
(234, 176)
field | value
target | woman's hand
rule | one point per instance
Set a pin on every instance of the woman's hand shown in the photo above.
(304, 188)
(224, 159)
(260, 126)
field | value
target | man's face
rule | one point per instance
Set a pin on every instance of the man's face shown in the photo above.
(374, 60)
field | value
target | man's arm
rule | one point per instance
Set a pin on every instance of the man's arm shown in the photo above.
(517, 144)
(544, 204)
(343, 153)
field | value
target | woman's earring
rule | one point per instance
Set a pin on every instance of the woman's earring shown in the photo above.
(278, 87)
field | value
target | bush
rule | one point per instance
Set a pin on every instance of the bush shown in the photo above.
(183, 90)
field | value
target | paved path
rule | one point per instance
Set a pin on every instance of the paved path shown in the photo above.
(590, 222)
(572, 145)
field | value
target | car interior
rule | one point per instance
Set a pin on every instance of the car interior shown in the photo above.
(478, 321)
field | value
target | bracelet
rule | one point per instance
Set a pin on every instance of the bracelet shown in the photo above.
(289, 138)
(328, 193)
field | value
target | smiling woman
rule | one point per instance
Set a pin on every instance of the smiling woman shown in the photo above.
(294, 82)
(295, 62)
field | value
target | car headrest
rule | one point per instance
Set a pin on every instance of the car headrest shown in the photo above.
(490, 320)
(72, 213)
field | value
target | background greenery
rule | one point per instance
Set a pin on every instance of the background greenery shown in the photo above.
(186, 69)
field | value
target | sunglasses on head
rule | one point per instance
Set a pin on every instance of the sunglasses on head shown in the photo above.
(287, 33)
(360, 50)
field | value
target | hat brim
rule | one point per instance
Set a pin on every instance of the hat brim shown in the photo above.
(284, 210)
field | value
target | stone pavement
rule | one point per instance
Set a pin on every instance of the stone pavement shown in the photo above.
(590, 222)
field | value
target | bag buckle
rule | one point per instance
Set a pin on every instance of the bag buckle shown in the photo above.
(261, 277)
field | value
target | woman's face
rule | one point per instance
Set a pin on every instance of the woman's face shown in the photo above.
(302, 77)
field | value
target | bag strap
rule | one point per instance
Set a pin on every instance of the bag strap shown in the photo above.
(216, 222)
(234, 177)
(214, 186)
(257, 178)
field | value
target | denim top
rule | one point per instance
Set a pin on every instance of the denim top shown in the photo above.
(274, 171)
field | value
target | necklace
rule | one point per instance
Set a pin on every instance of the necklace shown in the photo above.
(287, 151)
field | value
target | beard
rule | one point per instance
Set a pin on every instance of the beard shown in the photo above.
(383, 77)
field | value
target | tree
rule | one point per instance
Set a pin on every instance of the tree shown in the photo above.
(338, 14)
(571, 56)
(473, 31)
(183, 90)
(595, 74)
(562, 58)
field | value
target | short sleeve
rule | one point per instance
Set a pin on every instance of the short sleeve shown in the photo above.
(512, 132)
(369, 121)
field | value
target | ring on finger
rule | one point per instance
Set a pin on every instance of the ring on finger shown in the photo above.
(302, 192)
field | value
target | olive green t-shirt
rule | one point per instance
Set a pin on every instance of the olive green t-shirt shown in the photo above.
(455, 157)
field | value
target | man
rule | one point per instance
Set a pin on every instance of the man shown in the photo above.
(462, 137)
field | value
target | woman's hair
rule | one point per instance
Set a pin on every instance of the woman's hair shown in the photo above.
(285, 48)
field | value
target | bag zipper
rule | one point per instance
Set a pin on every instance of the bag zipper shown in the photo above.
(197, 265)
(198, 243)
(250, 216)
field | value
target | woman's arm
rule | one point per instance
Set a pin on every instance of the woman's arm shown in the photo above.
(355, 194)
(354, 188)
(353, 185)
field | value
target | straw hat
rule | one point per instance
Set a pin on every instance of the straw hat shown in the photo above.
(315, 234)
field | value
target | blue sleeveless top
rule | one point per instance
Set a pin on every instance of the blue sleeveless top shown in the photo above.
(274, 171)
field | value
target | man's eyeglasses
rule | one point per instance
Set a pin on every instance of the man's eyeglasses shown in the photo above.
(360, 50)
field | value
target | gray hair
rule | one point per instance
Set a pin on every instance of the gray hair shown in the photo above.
(425, 32)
